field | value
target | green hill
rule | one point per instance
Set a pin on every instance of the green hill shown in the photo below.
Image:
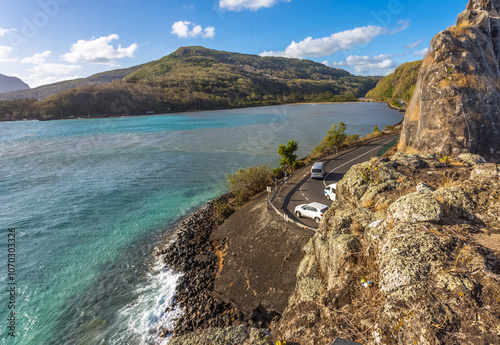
(194, 78)
(398, 85)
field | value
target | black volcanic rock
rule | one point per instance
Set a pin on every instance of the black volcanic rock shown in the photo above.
(8, 84)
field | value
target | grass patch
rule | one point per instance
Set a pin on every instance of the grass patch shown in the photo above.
(461, 28)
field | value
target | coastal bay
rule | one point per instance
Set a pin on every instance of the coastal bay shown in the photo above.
(91, 199)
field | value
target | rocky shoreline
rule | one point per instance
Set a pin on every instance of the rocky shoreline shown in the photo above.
(193, 255)
(200, 259)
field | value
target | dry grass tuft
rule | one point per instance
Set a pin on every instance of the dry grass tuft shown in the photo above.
(461, 28)
(464, 81)
(428, 59)
(449, 180)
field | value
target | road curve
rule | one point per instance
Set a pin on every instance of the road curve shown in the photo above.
(301, 189)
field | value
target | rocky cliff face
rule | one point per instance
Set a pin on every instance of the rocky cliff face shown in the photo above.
(408, 254)
(456, 104)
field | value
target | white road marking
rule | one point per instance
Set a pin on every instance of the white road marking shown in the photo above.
(351, 161)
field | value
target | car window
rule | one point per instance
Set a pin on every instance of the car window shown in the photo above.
(323, 210)
(327, 188)
(316, 170)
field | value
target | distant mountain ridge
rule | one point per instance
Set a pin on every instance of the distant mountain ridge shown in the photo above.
(11, 84)
(45, 91)
(197, 78)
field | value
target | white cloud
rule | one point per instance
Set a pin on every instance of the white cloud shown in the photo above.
(188, 7)
(403, 25)
(47, 73)
(209, 32)
(377, 65)
(421, 52)
(414, 44)
(181, 29)
(54, 69)
(254, 5)
(5, 54)
(38, 58)
(340, 41)
(99, 51)
(4, 32)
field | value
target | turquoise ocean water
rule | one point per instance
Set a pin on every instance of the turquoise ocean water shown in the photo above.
(91, 199)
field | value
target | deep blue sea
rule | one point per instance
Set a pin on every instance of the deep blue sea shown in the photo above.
(91, 199)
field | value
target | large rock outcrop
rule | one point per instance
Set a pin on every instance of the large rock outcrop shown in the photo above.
(407, 254)
(456, 104)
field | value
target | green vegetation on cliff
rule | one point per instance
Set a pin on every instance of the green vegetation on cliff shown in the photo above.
(197, 78)
(398, 85)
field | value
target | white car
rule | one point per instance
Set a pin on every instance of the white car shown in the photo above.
(314, 210)
(330, 191)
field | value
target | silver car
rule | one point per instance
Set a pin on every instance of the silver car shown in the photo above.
(314, 211)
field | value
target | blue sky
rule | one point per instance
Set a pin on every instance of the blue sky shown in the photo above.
(44, 41)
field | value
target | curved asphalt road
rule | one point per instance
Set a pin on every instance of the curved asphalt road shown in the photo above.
(302, 189)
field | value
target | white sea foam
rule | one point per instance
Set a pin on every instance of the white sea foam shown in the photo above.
(149, 314)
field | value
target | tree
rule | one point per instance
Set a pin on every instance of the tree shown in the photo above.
(334, 138)
(289, 160)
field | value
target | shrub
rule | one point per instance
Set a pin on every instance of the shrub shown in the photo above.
(334, 138)
(389, 128)
(278, 173)
(351, 139)
(223, 210)
(248, 182)
(375, 134)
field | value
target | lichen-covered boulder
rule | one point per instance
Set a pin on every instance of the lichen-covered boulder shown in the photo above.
(416, 207)
(457, 200)
(470, 159)
(307, 289)
(364, 183)
(409, 160)
(408, 258)
(342, 253)
(484, 172)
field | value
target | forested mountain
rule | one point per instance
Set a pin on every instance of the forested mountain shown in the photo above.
(11, 83)
(198, 78)
(398, 85)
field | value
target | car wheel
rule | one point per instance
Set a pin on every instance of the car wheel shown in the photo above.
(317, 220)
(297, 214)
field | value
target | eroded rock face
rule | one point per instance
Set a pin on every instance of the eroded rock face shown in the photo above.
(456, 104)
